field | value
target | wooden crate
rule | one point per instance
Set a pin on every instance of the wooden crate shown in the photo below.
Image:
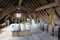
(25, 33)
(21, 33)
(15, 33)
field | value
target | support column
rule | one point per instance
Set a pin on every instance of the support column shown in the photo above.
(52, 19)
(7, 22)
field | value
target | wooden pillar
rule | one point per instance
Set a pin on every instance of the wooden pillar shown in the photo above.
(37, 20)
(18, 20)
(20, 2)
(51, 17)
(12, 18)
(7, 22)
(15, 20)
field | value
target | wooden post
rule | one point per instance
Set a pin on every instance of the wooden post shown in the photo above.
(15, 20)
(12, 18)
(52, 19)
(20, 2)
(18, 20)
(7, 22)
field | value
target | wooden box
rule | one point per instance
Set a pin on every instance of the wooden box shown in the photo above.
(21, 33)
(25, 33)
(15, 33)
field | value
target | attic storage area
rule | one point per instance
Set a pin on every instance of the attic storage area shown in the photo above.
(29, 20)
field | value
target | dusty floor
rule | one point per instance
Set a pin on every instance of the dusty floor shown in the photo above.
(6, 35)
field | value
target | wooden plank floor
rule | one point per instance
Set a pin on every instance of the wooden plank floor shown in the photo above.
(6, 35)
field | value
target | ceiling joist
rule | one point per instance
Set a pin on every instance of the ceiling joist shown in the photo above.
(47, 6)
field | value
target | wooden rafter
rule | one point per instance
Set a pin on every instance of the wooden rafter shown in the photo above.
(41, 17)
(20, 2)
(44, 15)
(58, 2)
(47, 6)
(7, 12)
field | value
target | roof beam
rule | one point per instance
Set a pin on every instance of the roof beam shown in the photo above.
(20, 2)
(7, 12)
(47, 6)
(58, 2)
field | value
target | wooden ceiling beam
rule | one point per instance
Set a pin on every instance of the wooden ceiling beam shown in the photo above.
(9, 4)
(47, 6)
(1, 1)
(44, 15)
(5, 3)
(20, 2)
(58, 2)
(7, 12)
(38, 16)
(27, 6)
(41, 17)
(31, 5)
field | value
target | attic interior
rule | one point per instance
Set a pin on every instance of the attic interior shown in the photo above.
(29, 19)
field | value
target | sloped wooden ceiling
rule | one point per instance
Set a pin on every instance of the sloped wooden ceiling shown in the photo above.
(10, 6)
(8, 3)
